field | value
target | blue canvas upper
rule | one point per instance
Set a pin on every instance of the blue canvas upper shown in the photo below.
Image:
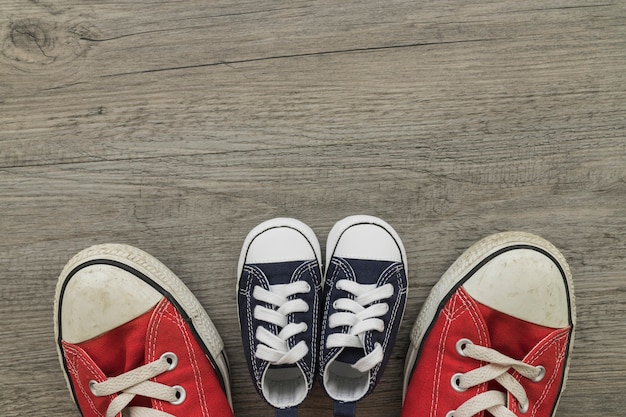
(363, 272)
(264, 275)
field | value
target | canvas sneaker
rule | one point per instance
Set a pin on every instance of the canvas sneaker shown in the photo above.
(495, 334)
(278, 296)
(365, 292)
(133, 340)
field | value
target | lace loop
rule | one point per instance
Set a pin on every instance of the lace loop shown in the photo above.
(361, 315)
(496, 369)
(137, 382)
(274, 348)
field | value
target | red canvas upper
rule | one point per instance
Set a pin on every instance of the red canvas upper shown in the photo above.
(430, 393)
(140, 341)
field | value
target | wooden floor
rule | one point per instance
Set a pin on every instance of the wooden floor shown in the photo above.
(177, 126)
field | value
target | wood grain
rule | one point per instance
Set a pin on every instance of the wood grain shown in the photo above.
(177, 126)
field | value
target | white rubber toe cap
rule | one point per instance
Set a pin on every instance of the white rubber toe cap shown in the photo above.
(99, 298)
(281, 239)
(365, 237)
(279, 244)
(525, 284)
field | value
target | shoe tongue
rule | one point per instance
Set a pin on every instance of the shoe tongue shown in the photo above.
(350, 355)
(281, 272)
(285, 366)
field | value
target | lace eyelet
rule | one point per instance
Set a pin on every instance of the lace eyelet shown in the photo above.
(523, 409)
(92, 387)
(171, 359)
(455, 382)
(335, 305)
(450, 413)
(181, 394)
(461, 345)
(542, 373)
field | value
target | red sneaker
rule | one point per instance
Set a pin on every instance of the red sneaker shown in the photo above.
(132, 339)
(495, 334)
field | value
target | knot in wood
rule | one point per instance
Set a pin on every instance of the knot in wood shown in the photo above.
(31, 41)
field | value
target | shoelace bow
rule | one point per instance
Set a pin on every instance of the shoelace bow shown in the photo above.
(496, 369)
(361, 314)
(274, 348)
(137, 382)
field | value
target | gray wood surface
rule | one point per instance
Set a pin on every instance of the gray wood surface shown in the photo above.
(177, 126)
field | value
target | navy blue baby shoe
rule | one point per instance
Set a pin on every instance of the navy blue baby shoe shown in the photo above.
(365, 291)
(278, 297)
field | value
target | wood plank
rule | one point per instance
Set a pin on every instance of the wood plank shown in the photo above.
(177, 128)
(433, 74)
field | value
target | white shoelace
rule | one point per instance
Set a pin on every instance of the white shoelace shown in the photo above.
(137, 382)
(361, 314)
(496, 369)
(274, 348)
